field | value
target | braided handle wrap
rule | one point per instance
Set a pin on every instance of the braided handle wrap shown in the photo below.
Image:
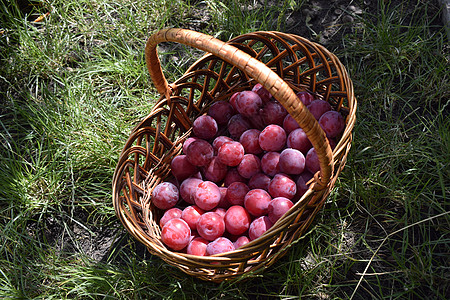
(279, 89)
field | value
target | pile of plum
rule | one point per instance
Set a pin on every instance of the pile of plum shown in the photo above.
(246, 164)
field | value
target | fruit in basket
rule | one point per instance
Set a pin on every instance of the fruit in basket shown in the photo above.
(248, 103)
(256, 202)
(187, 142)
(207, 195)
(223, 197)
(221, 111)
(182, 168)
(282, 185)
(187, 189)
(199, 153)
(231, 153)
(312, 161)
(289, 124)
(273, 113)
(298, 139)
(169, 214)
(241, 241)
(258, 227)
(318, 107)
(215, 171)
(233, 100)
(219, 245)
(332, 123)
(219, 141)
(269, 163)
(332, 142)
(237, 220)
(236, 193)
(262, 92)
(249, 166)
(191, 214)
(278, 207)
(305, 97)
(165, 195)
(197, 246)
(220, 211)
(237, 125)
(291, 161)
(250, 141)
(233, 176)
(259, 181)
(272, 138)
(176, 234)
(301, 181)
(205, 127)
(210, 226)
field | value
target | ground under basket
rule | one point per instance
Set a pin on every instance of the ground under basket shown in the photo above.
(284, 64)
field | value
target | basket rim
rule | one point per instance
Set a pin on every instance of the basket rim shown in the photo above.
(338, 157)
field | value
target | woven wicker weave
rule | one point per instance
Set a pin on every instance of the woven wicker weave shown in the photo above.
(284, 64)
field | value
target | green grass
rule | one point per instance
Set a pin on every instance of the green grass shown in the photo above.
(73, 86)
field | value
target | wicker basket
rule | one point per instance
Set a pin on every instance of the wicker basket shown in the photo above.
(284, 64)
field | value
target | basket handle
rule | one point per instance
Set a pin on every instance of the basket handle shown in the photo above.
(279, 89)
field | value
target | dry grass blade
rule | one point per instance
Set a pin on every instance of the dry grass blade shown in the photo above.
(384, 240)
